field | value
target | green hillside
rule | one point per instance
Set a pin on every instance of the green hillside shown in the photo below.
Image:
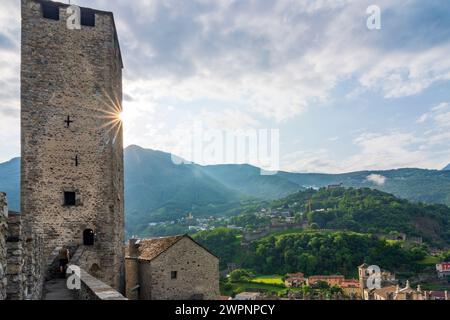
(247, 180)
(373, 211)
(431, 186)
(10, 182)
(311, 252)
(158, 190)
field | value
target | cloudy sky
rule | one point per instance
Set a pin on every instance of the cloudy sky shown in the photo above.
(343, 97)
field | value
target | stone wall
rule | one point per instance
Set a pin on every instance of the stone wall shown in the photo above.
(3, 235)
(19, 278)
(17, 286)
(73, 76)
(94, 289)
(35, 267)
(197, 274)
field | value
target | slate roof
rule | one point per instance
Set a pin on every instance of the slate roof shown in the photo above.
(151, 248)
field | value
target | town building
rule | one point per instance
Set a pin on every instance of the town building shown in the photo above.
(365, 271)
(395, 293)
(248, 296)
(443, 269)
(170, 268)
(331, 280)
(351, 288)
(295, 280)
(437, 295)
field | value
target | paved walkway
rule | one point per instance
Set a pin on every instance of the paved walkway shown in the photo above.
(56, 289)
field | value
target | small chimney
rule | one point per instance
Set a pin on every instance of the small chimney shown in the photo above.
(133, 247)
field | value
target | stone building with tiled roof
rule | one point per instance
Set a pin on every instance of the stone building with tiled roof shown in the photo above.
(170, 268)
(394, 292)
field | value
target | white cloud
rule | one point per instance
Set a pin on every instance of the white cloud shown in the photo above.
(377, 179)
(245, 63)
(374, 151)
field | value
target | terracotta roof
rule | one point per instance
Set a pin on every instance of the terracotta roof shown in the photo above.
(151, 248)
(437, 294)
(383, 292)
(298, 274)
(349, 283)
(326, 277)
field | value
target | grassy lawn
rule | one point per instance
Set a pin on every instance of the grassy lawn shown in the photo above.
(272, 284)
(430, 260)
(252, 286)
(272, 280)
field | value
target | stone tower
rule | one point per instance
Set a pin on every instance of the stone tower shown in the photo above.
(72, 151)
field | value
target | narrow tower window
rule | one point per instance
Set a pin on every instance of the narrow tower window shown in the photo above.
(50, 11)
(77, 162)
(87, 17)
(69, 198)
(173, 275)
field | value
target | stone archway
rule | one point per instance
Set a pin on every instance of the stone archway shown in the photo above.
(88, 237)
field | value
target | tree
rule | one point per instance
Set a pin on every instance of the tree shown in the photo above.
(241, 275)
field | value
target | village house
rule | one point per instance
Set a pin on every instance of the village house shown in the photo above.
(295, 280)
(395, 293)
(248, 296)
(351, 288)
(437, 295)
(170, 268)
(332, 280)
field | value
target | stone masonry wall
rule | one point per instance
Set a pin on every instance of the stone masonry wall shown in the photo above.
(16, 288)
(197, 274)
(94, 289)
(77, 74)
(35, 267)
(3, 235)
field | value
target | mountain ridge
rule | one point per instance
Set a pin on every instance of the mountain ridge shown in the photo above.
(157, 189)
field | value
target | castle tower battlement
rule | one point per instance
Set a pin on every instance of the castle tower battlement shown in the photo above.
(71, 135)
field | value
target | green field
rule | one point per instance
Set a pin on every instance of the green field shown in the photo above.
(271, 279)
(430, 260)
(238, 287)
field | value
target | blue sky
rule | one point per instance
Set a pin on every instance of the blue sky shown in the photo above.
(343, 97)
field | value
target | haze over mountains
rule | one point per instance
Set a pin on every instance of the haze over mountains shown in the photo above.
(156, 189)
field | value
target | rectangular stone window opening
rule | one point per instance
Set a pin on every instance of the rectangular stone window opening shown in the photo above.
(50, 11)
(173, 275)
(70, 198)
(87, 17)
